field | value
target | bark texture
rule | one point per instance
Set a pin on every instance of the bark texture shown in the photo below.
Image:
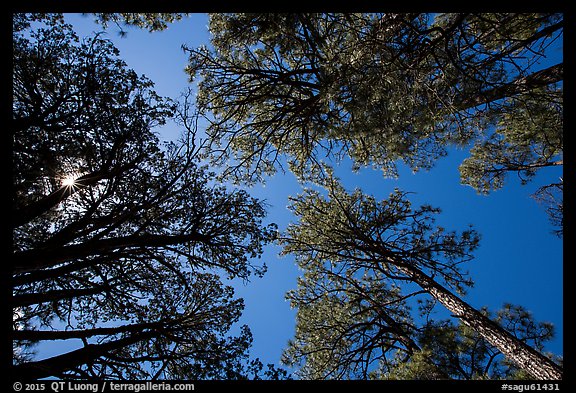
(526, 357)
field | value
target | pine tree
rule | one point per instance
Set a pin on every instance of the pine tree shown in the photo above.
(354, 236)
(381, 89)
(375, 87)
(463, 354)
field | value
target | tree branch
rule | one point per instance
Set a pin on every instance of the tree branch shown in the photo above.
(30, 260)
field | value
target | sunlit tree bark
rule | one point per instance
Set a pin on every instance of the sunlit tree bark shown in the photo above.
(390, 242)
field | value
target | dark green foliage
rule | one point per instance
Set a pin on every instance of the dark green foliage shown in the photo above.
(366, 263)
(153, 21)
(527, 138)
(353, 305)
(355, 228)
(376, 87)
(551, 196)
(462, 354)
(346, 322)
(382, 89)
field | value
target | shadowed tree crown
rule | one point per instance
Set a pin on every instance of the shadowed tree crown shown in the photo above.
(119, 241)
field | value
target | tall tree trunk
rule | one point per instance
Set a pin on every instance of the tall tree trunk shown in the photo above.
(526, 357)
(523, 84)
(29, 299)
(30, 260)
(57, 365)
(52, 335)
(28, 213)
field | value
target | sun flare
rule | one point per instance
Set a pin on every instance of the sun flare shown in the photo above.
(69, 181)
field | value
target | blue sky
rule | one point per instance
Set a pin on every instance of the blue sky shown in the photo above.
(519, 260)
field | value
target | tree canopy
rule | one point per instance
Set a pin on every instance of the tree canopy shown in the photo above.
(376, 87)
(119, 242)
(152, 21)
(384, 89)
(363, 259)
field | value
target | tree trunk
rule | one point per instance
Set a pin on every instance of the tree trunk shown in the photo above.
(29, 299)
(52, 335)
(57, 365)
(28, 213)
(526, 357)
(523, 84)
(27, 261)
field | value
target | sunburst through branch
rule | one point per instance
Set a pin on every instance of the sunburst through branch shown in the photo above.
(70, 180)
